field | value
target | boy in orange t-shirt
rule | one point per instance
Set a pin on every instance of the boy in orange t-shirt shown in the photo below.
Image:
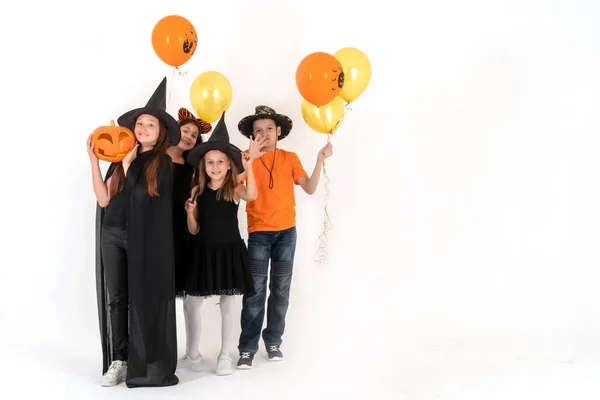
(272, 231)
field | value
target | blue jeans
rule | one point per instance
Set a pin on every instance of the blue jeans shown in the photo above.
(280, 248)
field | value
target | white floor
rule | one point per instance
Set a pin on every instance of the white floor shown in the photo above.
(337, 346)
(458, 368)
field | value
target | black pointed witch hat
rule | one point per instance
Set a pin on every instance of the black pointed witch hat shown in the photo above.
(218, 140)
(156, 106)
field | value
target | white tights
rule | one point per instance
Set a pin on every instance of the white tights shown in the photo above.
(191, 311)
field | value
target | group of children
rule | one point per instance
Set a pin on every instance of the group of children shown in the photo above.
(167, 227)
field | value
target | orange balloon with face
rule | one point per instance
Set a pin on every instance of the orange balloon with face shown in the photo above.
(112, 143)
(319, 78)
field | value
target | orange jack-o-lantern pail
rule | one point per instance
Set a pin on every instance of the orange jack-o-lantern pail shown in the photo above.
(112, 143)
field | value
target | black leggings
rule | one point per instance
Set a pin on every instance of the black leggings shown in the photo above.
(114, 259)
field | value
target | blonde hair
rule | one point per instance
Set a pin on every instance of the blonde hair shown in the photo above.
(227, 189)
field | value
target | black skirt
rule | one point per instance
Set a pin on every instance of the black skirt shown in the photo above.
(219, 269)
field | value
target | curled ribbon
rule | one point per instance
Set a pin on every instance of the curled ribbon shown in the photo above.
(321, 254)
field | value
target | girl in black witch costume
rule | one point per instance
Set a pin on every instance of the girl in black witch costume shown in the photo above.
(152, 357)
(183, 178)
(111, 268)
(220, 264)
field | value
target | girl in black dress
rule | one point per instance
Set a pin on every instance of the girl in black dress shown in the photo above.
(183, 178)
(191, 129)
(220, 264)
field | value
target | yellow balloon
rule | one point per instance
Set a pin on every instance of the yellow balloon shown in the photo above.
(211, 95)
(357, 72)
(323, 119)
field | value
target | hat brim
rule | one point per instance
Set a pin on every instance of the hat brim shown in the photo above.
(286, 124)
(195, 155)
(129, 119)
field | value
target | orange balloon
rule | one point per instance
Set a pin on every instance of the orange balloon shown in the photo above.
(174, 40)
(319, 78)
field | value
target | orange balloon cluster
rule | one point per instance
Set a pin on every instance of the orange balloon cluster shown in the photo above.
(325, 81)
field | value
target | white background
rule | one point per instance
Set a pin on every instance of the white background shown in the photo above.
(464, 193)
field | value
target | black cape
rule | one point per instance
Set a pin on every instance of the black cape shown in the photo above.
(152, 348)
(101, 294)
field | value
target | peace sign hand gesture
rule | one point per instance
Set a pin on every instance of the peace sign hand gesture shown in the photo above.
(190, 204)
(246, 161)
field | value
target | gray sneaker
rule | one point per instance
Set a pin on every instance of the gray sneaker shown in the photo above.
(274, 352)
(245, 361)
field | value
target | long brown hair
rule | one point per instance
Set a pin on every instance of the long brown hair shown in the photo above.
(227, 189)
(158, 151)
(117, 181)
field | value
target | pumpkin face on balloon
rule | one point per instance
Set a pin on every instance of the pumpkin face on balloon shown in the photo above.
(340, 79)
(112, 143)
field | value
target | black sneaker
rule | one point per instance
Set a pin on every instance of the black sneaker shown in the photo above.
(274, 352)
(245, 361)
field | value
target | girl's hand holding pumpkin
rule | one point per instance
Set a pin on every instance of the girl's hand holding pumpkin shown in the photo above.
(131, 155)
(129, 158)
(90, 150)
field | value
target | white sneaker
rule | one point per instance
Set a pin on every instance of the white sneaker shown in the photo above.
(117, 372)
(191, 364)
(225, 366)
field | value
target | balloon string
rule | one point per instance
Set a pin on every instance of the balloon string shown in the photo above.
(172, 80)
(321, 254)
(333, 129)
(337, 125)
(171, 87)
